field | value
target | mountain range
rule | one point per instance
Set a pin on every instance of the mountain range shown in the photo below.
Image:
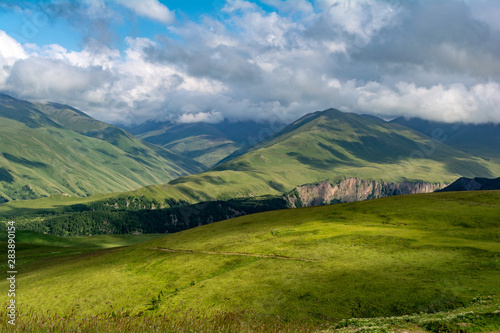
(204, 142)
(477, 139)
(51, 149)
(325, 145)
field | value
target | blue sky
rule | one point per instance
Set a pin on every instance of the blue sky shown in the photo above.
(127, 61)
(36, 22)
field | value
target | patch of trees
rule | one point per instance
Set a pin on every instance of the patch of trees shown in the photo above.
(167, 220)
(127, 203)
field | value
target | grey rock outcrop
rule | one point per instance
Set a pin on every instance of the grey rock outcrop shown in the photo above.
(353, 189)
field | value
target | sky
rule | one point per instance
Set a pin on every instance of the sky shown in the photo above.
(128, 61)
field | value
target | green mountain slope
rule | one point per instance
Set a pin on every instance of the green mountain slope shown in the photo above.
(199, 141)
(385, 257)
(54, 149)
(319, 146)
(141, 151)
(203, 142)
(330, 144)
(480, 140)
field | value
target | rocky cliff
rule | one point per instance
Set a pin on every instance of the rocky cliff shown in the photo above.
(352, 189)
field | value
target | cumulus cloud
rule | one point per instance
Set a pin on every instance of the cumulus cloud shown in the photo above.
(456, 103)
(152, 9)
(10, 52)
(10, 49)
(437, 60)
(201, 117)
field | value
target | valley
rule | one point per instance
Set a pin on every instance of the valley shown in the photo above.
(329, 224)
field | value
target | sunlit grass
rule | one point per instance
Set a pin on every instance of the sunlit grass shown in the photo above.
(389, 257)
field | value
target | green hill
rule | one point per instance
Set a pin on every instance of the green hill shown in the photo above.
(480, 140)
(55, 149)
(199, 141)
(203, 142)
(319, 146)
(388, 257)
(331, 144)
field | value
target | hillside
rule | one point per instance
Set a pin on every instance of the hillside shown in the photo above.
(126, 215)
(203, 142)
(319, 146)
(475, 184)
(330, 144)
(480, 140)
(55, 149)
(387, 257)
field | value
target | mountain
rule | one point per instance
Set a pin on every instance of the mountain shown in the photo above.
(320, 146)
(480, 140)
(328, 144)
(407, 255)
(55, 149)
(334, 143)
(204, 142)
(475, 184)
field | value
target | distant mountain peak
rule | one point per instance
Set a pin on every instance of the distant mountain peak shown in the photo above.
(473, 184)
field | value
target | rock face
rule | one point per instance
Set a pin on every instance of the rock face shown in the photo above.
(352, 189)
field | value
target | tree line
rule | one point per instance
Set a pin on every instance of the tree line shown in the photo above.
(167, 220)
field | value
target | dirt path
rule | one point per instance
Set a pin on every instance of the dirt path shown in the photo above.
(270, 256)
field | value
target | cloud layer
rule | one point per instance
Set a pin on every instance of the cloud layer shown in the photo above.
(437, 60)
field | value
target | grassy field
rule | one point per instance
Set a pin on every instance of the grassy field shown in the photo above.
(35, 248)
(293, 270)
(52, 204)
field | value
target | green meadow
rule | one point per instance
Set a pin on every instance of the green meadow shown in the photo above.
(427, 262)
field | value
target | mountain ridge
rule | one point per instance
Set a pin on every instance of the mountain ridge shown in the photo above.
(473, 184)
(481, 140)
(55, 149)
(204, 142)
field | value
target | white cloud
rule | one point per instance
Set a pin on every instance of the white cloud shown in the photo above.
(10, 49)
(10, 52)
(232, 6)
(456, 103)
(360, 56)
(152, 9)
(201, 117)
(360, 18)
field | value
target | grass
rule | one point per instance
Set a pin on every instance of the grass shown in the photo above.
(34, 249)
(296, 270)
(205, 149)
(483, 317)
(52, 204)
(41, 158)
